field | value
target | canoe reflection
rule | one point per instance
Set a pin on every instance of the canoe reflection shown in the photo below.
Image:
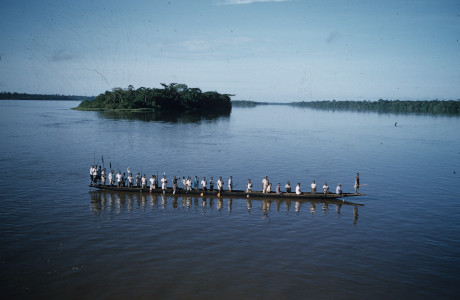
(103, 202)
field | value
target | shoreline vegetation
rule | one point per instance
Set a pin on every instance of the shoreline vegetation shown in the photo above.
(178, 97)
(25, 96)
(173, 97)
(448, 107)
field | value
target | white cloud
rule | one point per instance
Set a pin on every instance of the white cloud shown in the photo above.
(237, 2)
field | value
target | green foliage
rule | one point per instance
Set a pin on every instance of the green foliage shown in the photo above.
(173, 96)
(451, 107)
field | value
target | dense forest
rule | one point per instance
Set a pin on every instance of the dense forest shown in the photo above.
(386, 106)
(246, 103)
(173, 97)
(24, 96)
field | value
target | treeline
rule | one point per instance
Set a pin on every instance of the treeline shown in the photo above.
(24, 96)
(386, 106)
(244, 103)
(174, 97)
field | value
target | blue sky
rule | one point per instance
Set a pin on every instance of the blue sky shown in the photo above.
(291, 50)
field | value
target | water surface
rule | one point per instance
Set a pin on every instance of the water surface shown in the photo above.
(61, 239)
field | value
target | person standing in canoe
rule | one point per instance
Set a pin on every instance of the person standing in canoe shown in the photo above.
(123, 180)
(325, 188)
(356, 183)
(297, 189)
(313, 187)
(164, 183)
(211, 184)
(130, 180)
(230, 184)
(152, 183)
(338, 189)
(138, 180)
(98, 175)
(203, 184)
(174, 182)
(155, 181)
(91, 171)
(144, 181)
(278, 188)
(111, 178)
(189, 184)
(265, 184)
(288, 187)
(195, 183)
(249, 186)
(103, 177)
(119, 179)
(220, 184)
(95, 175)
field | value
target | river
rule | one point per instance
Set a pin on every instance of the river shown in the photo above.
(61, 239)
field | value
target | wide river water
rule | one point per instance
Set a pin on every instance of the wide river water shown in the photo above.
(60, 239)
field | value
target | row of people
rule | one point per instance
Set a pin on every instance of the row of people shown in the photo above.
(266, 187)
(98, 176)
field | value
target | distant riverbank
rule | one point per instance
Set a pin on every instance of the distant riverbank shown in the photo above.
(449, 107)
(180, 97)
(25, 96)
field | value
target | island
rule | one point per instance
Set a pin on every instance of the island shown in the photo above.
(172, 97)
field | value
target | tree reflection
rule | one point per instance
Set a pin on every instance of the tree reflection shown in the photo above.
(167, 117)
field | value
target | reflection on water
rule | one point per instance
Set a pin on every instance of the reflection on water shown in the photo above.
(103, 202)
(152, 116)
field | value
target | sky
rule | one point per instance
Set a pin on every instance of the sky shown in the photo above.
(259, 50)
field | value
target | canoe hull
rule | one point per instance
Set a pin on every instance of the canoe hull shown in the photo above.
(234, 193)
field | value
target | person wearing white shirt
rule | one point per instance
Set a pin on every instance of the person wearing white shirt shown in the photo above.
(119, 179)
(288, 187)
(203, 184)
(325, 188)
(338, 189)
(189, 184)
(164, 183)
(111, 179)
(103, 177)
(230, 184)
(144, 181)
(95, 174)
(249, 186)
(264, 184)
(130, 180)
(152, 183)
(297, 189)
(313, 187)
(91, 171)
(220, 184)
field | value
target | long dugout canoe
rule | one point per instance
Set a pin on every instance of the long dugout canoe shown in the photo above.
(226, 193)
